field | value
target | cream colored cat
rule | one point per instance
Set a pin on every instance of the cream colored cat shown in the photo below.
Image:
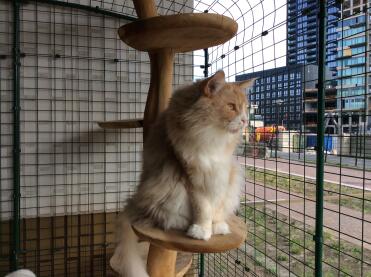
(190, 180)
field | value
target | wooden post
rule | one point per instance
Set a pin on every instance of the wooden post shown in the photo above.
(165, 85)
(161, 86)
(145, 8)
(161, 262)
(150, 111)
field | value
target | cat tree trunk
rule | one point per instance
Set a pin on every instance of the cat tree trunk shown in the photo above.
(161, 262)
(160, 88)
(165, 86)
(145, 8)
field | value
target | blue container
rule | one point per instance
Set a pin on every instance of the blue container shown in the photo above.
(311, 141)
(328, 143)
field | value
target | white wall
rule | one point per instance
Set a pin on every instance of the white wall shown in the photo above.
(70, 165)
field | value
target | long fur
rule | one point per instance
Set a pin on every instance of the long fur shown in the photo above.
(189, 181)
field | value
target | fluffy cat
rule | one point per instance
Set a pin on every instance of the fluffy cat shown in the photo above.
(190, 180)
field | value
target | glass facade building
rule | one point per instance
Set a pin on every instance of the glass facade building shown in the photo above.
(278, 93)
(302, 32)
(353, 66)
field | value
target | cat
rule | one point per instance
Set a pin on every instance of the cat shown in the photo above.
(190, 180)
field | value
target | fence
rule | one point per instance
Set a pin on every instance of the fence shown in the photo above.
(64, 179)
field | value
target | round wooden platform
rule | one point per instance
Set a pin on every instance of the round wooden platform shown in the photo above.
(181, 32)
(175, 240)
(121, 124)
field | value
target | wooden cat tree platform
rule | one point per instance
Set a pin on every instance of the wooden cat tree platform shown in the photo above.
(162, 37)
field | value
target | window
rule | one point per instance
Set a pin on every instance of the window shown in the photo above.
(252, 96)
(352, 41)
(279, 78)
(279, 93)
(350, 32)
(353, 81)
(352, 61)
(352, 71)
(268, 95)
(292, 92)
(268, 87)
(285, 77)
(292, 76)
(285, 84)
(298, 75)
(279, 85)
(258, 96)
(298, 91)
(285, 92)
(262, 96)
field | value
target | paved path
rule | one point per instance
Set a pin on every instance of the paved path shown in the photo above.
(347, 224)
(345, 176)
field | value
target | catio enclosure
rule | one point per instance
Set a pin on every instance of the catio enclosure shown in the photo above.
(306, 153)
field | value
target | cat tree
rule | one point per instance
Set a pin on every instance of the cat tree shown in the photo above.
(162, 37)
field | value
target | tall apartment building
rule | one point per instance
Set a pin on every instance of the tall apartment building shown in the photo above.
(353, 67)
(302, 32)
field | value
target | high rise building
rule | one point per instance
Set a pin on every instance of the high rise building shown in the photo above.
(353, 67)
(302, 32)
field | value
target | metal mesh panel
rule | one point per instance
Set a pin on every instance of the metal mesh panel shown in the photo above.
(75, 177)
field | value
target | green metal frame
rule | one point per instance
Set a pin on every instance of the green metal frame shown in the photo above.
(206, 74)
(318, 237)
(16, 136)
(16, 59)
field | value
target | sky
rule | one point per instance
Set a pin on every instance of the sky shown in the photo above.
(255, 52)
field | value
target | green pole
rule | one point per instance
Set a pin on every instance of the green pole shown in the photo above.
(320, 138)
(15, 238)
(206, 74)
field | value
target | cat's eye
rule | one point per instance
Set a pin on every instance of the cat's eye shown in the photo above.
(231, 106)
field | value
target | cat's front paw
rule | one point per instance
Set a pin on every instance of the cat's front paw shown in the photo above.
(221, 228)
(198, 232)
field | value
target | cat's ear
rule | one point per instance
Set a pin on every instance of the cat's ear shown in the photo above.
(245, 83)
(213, 84)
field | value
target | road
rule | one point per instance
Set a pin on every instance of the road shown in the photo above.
(349, 177)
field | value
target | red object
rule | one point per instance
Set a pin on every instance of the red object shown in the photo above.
(267, 133)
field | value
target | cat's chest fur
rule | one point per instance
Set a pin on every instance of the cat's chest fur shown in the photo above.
(210, 154)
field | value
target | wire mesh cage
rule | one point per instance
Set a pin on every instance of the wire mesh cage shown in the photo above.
(306, 152)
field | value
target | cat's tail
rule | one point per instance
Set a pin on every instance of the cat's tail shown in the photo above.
(126, 259)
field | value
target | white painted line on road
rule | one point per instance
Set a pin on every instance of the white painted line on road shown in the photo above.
(307, 177)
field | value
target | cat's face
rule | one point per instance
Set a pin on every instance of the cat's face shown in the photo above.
(226, 101)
